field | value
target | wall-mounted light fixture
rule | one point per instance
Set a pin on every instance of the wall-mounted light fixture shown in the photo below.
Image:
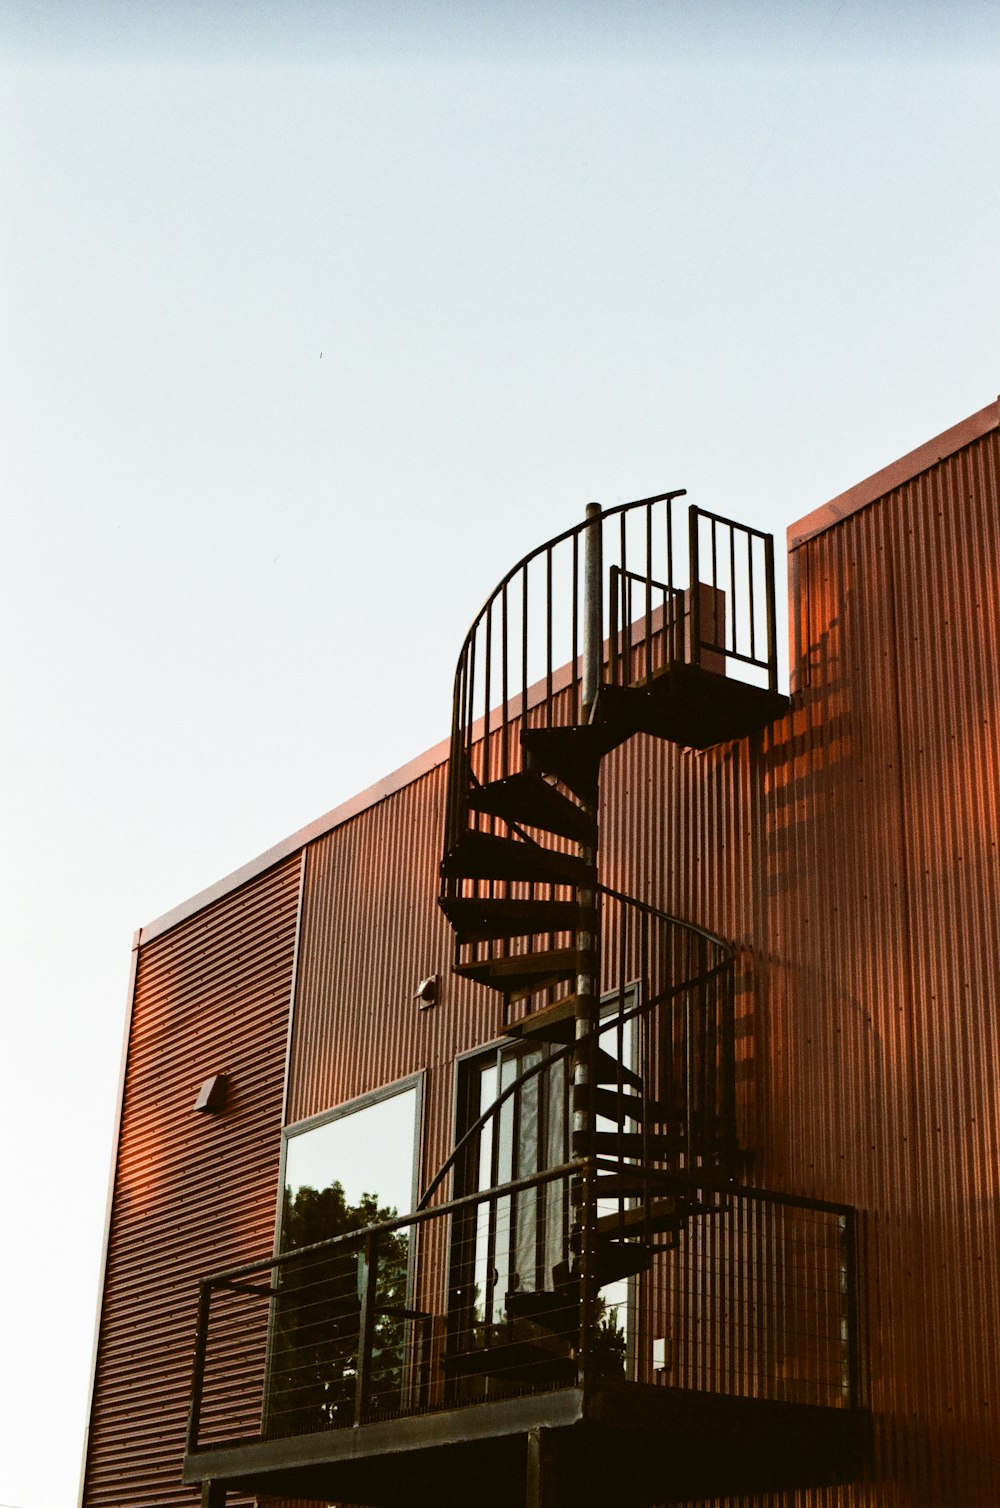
(212, 1095)
(427, 992)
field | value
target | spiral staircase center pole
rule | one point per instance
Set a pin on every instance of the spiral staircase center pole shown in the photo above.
(588, 962)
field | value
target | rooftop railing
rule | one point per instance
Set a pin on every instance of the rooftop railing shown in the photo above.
(673, 590)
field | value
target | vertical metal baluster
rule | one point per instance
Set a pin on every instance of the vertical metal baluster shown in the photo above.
(470, 694)
(728, 994)
(623, 972)
(649, 591)
(750, 580)
(454, 763)
(548, 634)
(504, 712)
(524, 654)
(733, 642)
(772, 657)
(626, 603)
(487, 671)
(494, 1212)
(593, 620)
(575, 710)
(644, 971)
(613, 646)
(675, 627)
(694, 592)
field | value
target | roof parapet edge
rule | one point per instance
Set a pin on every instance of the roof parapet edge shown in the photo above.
(388, 786)
(894, 475)
(404, 776)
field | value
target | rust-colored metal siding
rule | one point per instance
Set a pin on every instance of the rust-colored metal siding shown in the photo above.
(853, 855)
(371, 931)
(193, 1192)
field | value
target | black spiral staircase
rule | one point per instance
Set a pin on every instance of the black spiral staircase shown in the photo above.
(589, 1303)
(644, 646)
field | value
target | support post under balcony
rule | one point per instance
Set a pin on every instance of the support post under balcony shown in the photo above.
(544, 1489)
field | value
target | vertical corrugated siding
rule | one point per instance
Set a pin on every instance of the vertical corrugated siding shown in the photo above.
(853, 856)
(193, 1192)
(371, 931)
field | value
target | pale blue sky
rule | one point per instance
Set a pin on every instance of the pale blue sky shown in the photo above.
(313, 319)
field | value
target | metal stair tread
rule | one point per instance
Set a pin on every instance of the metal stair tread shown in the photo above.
(611, 1071)
(573, 752)
(521, 973)
(631, 1181)
(691, 706)
(637, 1143)
(487, 856)
(529, 800)
(482, 918)
(552, 1023)
(619, 1107)
(621, 1259)
(657, 1216)
(544, 1307)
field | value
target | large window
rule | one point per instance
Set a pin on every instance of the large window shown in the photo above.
(511, 1259)
(353, 1168)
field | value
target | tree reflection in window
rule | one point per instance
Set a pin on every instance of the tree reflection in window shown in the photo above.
(317, 1313)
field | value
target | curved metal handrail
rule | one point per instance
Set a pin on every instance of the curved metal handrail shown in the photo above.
(488, 1114)
(677, 921)
(558, 539)
(645, 1006)
(530, 630)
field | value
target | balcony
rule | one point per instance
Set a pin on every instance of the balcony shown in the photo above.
(397, 1365)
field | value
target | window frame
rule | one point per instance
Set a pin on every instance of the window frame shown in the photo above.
(413, 1081)
(370, 1097)
(465, 1112)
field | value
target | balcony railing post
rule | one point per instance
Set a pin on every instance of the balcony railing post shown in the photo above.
(849, 1312)
(367, 1278)
(198, 1372)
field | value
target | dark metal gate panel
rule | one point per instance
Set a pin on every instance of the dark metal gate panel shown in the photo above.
(192, 1189)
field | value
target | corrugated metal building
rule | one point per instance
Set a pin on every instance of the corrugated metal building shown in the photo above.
(847, 852)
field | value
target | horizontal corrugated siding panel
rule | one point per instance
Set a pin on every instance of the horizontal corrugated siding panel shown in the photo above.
(193, 1192)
